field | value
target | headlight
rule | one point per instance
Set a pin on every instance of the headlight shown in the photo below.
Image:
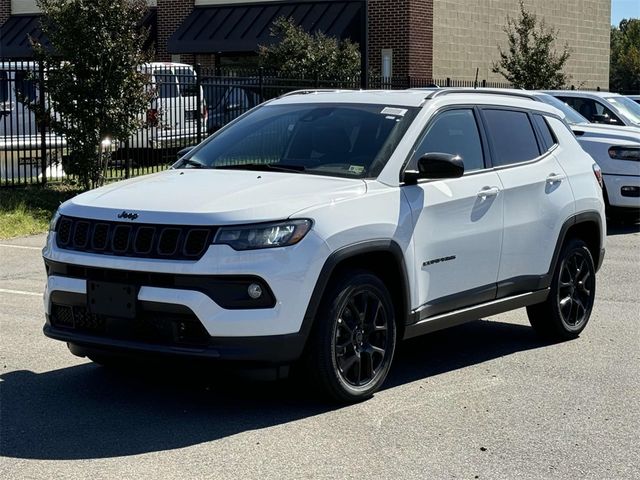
(625, 153)
(266, 235)
(54, 221)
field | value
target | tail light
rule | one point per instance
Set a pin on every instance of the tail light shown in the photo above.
(152, 117)
(597, 171)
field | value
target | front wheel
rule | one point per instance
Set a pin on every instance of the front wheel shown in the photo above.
(566, 312)
(354, 337)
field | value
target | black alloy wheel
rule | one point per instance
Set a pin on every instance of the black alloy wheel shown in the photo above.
(576, 287)
(566, 311)
(361, 338)
(353, 340)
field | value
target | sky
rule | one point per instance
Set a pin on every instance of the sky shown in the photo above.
(624, 9)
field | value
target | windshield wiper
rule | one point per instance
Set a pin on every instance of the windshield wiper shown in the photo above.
(265, 167)
(193, 163)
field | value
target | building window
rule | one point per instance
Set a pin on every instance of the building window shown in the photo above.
(387, 62)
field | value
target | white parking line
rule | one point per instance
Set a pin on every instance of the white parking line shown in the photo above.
(20, 292)
(19, 246)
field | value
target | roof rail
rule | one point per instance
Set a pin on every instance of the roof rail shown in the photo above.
(308, 91)
(486, 91)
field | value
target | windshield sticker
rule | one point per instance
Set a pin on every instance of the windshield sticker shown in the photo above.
(357, 169)
(399, 112)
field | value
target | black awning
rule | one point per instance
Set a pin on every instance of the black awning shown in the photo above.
(243, 28)
(14, 36)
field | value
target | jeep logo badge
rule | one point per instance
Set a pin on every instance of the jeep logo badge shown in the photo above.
(128, 216)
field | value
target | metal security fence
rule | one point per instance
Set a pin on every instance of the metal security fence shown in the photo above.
(188, 104)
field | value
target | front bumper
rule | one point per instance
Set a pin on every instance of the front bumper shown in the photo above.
(622, 191)
(271, 350)
(179, 311)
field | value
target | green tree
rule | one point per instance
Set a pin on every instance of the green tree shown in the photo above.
(531, 61)
(300, 54)
(625, 56)
(95, 88)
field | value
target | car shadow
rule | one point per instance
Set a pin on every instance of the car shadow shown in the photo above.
(86, 411)
(618, 229)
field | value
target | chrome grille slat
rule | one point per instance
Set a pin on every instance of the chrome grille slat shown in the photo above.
(128, 239)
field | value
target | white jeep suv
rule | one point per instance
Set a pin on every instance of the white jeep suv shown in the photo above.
(322, 227)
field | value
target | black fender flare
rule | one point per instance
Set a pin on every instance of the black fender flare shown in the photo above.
(583, 217)
(345, 253)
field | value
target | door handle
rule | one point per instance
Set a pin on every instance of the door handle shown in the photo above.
(554, 177)
(487, 192)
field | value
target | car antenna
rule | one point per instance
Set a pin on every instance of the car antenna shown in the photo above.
(475, 83)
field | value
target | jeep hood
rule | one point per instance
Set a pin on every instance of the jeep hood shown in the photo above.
(212, 197)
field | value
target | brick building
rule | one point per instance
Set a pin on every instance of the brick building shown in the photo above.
(418, 38)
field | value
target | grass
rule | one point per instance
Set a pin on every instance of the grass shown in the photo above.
(28, 210)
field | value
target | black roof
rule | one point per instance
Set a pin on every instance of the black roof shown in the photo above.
(242, 28)
(14, 34)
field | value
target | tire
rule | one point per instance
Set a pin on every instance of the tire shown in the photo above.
(566, 312)
(353, 338)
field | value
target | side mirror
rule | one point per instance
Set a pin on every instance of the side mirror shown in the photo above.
(435, 166)
(184, 151)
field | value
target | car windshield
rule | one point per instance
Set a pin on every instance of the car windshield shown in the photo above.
(571, 116)
(344, 140)
(627, 108)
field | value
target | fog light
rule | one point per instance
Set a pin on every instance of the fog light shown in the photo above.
(630, 191)
(254, 291)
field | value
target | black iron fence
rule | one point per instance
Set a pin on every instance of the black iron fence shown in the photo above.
(188, 105)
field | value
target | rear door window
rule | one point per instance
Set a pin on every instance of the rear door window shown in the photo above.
(512, 137)
(187, 82)
(166, 83)
(25, 87)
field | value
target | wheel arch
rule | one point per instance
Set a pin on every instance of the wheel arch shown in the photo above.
(587, 226)
(385, 258)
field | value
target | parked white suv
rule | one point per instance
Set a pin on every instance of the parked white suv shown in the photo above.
(615, 149)
(324, 227)
(601, 107)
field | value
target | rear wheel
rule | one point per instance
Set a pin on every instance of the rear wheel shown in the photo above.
(567, 309)
(354, 337)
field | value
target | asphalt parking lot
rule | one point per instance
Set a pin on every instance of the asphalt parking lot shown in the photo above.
(484, 400)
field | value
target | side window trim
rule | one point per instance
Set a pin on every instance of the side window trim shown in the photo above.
(433, 118)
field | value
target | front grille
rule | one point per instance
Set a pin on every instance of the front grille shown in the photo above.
(133, 240)
(160, 328)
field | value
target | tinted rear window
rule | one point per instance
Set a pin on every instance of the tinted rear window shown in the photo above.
(166, 84)
(187, 82)
(512, 137)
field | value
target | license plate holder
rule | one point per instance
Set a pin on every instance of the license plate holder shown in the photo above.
(112, 299)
